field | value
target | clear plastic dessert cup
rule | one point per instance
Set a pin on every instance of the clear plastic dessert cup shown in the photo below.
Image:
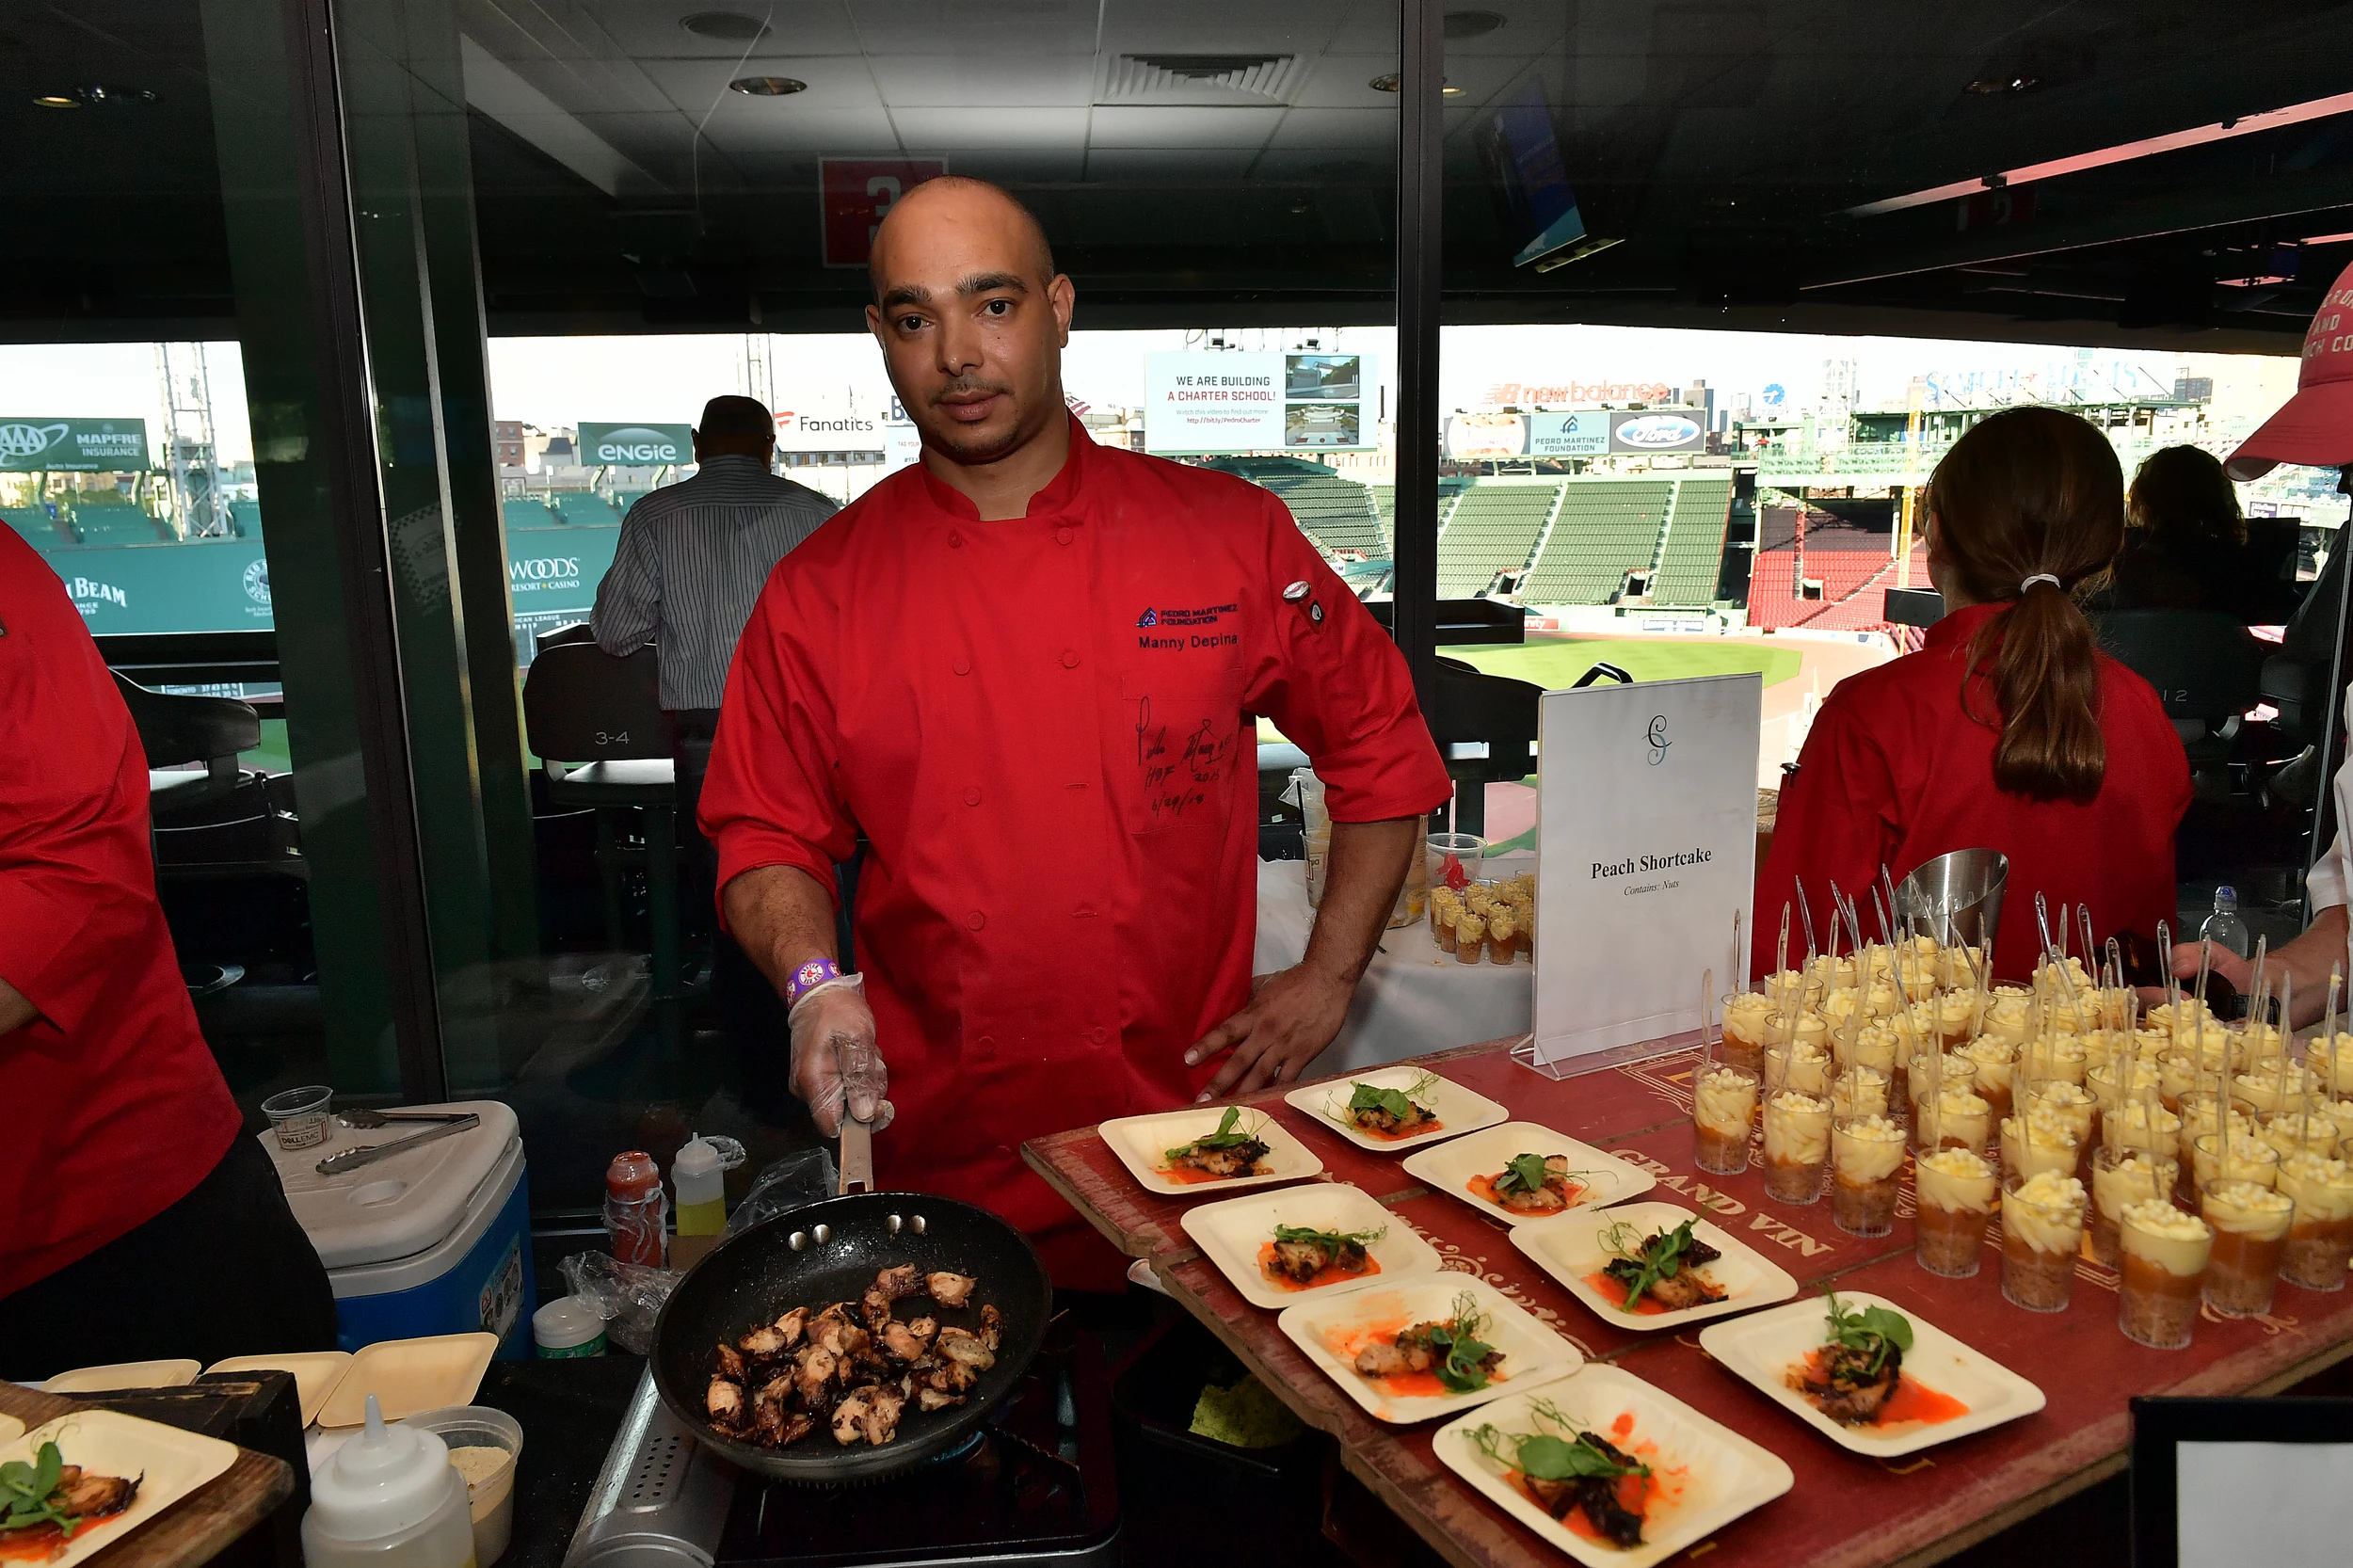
(2250, 1224)
(1956, 1189)
(2120, 1176)
(1859, 1092)
(1797, 1147)
(1723, 1114)
(2320, 1239)
(2042, 1230)
(1994, 1061)
(2246, 1158)
(1867, 1158)
(1745, 1013)
(2165, 1252)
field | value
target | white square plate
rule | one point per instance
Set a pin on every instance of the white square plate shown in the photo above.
(1331, 1330)
(1143, 1144)
(315, 1373)
(1449, 1167)
(1459, 1111)
(1709, 1475)
(1231, 1234)
(408, 1376)
(1570, 1246)
(1763, 1348)
(118, 1375)
(169, 1462)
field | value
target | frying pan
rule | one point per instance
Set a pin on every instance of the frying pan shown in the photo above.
(831, 1251)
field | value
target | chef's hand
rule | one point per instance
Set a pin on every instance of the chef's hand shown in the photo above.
(2239, 971)
(835, 1061)
(1290, 1017)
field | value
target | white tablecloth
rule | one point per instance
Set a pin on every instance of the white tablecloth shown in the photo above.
(1413, 1000)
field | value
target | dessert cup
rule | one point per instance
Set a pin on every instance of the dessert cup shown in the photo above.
(2164, 1253)
(1994, 1061)
(1956, 1189)
(1723, 1113)
(1859, 1092)
(2320, 1239)
(2118, 1176)
(1744, 1016)
(2042, 1230)
(1867, 1157)
(1797, 1147)
(2250, 1224)
(2039, 1140)
(2248, 1158)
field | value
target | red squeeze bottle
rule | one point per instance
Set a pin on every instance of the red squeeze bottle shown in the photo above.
(634, 1208)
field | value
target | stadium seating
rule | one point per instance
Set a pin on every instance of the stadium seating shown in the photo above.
(1853, 565)
(1694, 551)
(34, 525)
(115, 522)
(585, 509)
(523, 512)
(1491, 528)
(1338, 514)
(245, 519)
(1607, 528)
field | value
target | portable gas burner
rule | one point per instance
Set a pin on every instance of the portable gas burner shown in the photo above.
(1035, 1484)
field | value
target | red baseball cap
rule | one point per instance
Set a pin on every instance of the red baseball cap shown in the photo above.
(2315, 427)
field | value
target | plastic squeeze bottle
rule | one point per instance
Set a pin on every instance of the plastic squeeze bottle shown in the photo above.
(635, 1209)
(388, 1499)
(700, 1177)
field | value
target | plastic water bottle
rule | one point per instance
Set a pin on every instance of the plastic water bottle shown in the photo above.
(2223, 927)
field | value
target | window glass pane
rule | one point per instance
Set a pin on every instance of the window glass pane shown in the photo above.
(1722, 287)
(675, 204)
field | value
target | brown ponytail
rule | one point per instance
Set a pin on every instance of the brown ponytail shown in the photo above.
(2025, 493)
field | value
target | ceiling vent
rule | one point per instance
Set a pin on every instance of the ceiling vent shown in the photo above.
(1202, 79)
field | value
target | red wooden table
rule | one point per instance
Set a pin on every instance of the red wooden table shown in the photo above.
(1846, 1510)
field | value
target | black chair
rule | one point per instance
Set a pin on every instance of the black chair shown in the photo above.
(2207, 669)
(223, 821)
(596, 723)
(1486, 730)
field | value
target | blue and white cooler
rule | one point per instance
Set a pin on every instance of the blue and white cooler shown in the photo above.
(436, 1240)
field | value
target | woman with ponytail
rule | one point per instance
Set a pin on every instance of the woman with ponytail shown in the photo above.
(2010, 730)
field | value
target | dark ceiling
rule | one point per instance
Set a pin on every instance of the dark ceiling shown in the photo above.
(1232, 164)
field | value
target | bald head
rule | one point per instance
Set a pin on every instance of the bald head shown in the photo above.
(972, 319)
(955, 210)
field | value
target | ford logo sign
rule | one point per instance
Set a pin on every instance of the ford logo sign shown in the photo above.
(1659, 431)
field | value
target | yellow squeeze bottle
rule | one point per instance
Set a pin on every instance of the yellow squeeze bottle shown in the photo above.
(702, 1201)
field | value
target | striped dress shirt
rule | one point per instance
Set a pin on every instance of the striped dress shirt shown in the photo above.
(692, 559)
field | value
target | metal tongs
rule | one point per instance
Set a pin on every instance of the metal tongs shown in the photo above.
(861, 1065)
(351, 1159)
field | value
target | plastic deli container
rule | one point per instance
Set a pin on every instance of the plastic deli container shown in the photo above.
(476, 1429)
(568, 1327)
(434, 1241)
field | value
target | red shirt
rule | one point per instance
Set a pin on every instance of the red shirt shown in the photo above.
(1038, 726)
(116, 1108)
(1894, 772)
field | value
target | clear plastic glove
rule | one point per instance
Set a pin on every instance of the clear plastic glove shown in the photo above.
(835, 1061)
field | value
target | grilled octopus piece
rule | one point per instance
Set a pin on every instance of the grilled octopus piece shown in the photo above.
(901, 1342)
(724, 1402)
(764, 1343)
(728, 1364)
(1598, 1497)
(962, 1345)
(815, 1370)
(1239, 1160)
(902, 1281)
(1846, 1390)
(87, 1496)
(1374, 1119)
(1301, 1261)
(948, 1290)
(1386, 1361)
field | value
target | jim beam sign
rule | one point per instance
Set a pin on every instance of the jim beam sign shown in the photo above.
(72, 445)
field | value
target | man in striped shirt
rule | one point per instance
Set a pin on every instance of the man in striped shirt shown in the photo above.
(692, 559)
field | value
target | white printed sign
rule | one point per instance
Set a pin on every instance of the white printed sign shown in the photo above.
(1648, 806)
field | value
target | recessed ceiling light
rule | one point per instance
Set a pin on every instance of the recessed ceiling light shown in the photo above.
(58, 101)
(729, 26)
(767, 87)
(1462, 24)
(1390, 82)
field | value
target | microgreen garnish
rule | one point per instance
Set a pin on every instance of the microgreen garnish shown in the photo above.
(1660, 1257)
(1541, 1456)
(1396, 1102)
(25, 1490)
(1225, 1137)
(1523, 1173)
(1871, 1331)
(1462, 1352)
(1332, 1239)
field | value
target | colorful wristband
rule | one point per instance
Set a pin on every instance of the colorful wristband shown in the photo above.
(808, 977)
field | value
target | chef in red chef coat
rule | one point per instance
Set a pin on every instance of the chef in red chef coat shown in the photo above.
(1023, 669)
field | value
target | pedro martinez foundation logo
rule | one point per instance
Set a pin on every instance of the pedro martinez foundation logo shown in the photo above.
(1198, 628)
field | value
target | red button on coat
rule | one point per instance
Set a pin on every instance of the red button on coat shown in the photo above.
(971, 797)
(1070, 658)
(976, 920)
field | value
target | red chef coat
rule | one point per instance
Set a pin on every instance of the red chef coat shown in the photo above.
(117, 1110)
(1038, 725)
(1894, 773)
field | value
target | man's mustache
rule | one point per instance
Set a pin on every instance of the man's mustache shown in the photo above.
(971, 391)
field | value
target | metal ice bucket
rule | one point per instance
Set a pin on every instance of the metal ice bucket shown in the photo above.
(1956, 897)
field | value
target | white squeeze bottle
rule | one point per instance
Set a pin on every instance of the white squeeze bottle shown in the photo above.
(700, 1177)
(388, 1499)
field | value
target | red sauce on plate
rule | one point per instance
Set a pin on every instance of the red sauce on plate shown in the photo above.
(1424, 1130)
(1483, 1187)
(1913, 1404)
(1612, 1291)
